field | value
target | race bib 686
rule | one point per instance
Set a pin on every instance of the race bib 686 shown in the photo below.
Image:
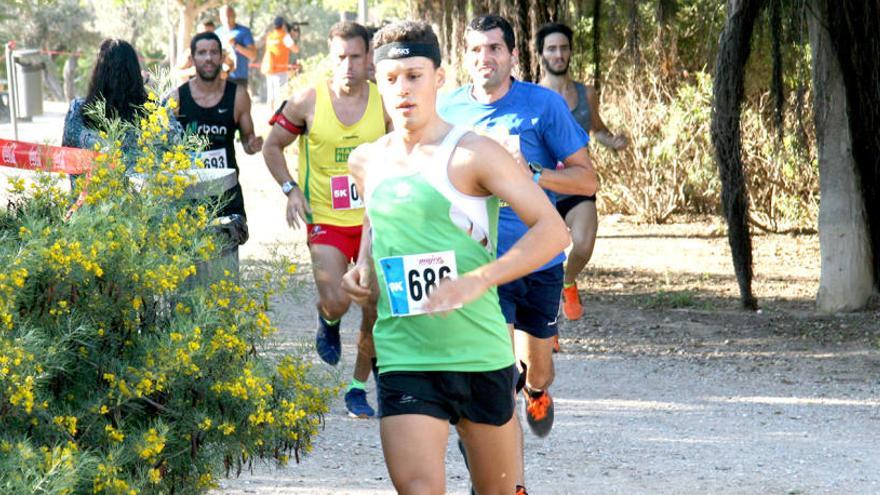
(410, 279)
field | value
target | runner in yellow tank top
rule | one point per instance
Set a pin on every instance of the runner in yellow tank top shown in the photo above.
(323, 159)
(335, 116)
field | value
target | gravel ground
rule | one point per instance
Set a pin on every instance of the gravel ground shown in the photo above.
(665, 386)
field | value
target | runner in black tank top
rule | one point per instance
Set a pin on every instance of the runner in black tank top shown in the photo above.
(218, 124)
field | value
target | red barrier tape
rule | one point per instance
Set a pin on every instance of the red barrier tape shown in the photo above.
(30, 156)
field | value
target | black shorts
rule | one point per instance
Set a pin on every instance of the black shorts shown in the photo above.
(531, 303)
(564, 205)
(482, 397)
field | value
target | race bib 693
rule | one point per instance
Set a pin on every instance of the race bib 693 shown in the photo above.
(214, 158)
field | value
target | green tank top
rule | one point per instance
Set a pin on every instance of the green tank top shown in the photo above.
(423, 230)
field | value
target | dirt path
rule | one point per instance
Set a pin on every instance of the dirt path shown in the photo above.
(663, 387)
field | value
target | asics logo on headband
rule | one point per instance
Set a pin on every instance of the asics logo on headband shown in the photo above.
(405, 49)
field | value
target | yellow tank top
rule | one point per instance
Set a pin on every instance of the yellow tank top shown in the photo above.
(323, 159)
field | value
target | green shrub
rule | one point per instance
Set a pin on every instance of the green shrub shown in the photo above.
(119, 375)
(670, 165)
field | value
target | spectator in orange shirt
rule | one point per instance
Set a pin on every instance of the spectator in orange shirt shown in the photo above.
(276, 60)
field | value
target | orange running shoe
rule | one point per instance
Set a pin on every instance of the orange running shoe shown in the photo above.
(539, 411)
(571, 303)
(521, 490)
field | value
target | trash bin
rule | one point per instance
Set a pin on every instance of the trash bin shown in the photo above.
(231, 230)
(29, 85)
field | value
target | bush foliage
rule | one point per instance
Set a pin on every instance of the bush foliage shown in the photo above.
(670, 165)
(118, 373)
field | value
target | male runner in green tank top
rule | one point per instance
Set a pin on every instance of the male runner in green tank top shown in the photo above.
(432, 193)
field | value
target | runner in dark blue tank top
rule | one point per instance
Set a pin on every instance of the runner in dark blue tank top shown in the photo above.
(216, 108)
(554, 43)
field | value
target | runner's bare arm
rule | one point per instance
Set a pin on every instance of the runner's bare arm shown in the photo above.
(481, 166)
(249, 51)
(360, 281)
(250, 142)
(578, 176)
(599, 130)
(297, 110)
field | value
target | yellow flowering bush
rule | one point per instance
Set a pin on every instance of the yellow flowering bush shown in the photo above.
(122, 369)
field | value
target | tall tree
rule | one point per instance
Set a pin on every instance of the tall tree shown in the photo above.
(729, 88)
(633, 35)
(597, 39)
(846, 281)
(188, 12)
(856, 42)
(777, 88)
(667, 37)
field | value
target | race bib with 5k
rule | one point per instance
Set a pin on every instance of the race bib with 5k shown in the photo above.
(410, 279)
(344, 194)
(214, 158)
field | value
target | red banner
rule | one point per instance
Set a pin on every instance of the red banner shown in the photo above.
(30, 156)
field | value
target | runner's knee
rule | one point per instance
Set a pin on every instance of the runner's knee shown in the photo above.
(581, 245)
(420, 486)
(335, 306)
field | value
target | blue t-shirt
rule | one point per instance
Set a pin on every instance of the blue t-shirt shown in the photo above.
(244, 37)
(547, 134)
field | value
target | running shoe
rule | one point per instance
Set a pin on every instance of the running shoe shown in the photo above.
(538, 411)
(571, 303)
(357, 405)
(521, 490)
(327, 341)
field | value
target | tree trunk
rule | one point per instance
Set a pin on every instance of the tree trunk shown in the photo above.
(597, 38)
(522, 26)
(456, 67)
(188, 12)
(186, 23)
(667, 37)
(856, 43)
(70, 77)
(50, 80)
(632, 36)
(847, 281)
(776, 85)
(733, 53)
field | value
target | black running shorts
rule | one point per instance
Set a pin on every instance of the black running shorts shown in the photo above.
(482, 397)
(564, 205)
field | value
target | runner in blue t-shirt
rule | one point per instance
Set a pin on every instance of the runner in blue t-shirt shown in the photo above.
(534, 123)
(239, 40)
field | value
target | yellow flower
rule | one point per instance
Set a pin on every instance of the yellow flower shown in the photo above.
(114, 434)
(155, 476)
